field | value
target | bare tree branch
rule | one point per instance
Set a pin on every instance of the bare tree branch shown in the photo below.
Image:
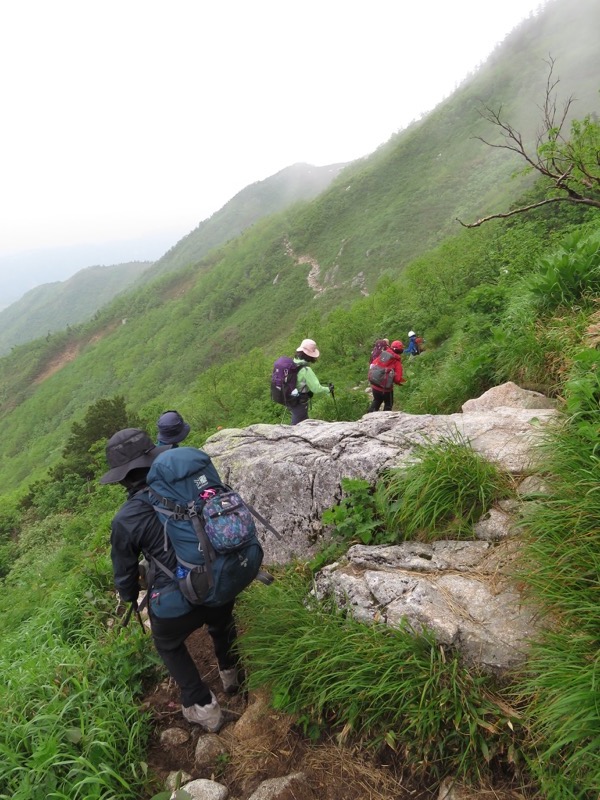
(571, 165)
(583, 201)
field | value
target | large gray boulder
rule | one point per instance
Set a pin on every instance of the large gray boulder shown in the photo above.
(460, 591)
(292, 474)
(508, 395)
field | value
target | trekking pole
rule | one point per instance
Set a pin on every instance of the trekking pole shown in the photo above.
(140, 620)
(133, 607)
(337, 415)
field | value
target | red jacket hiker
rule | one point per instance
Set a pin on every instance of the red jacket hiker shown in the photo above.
(384, 372)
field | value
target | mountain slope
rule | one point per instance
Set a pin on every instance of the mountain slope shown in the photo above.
(290, 185)
(54, 306)
(275, 282)
(405, 198)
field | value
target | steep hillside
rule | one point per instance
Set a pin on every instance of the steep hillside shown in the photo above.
(405, 198)
(290, 185)
(54, 306)
(275, 282)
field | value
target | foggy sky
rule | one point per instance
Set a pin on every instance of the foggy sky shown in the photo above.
(136, 119)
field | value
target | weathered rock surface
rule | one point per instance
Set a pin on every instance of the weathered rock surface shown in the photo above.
(202, 789)
(282, 788)
(454, 589)
(292, 474)
(209, 749)
(174, 736)
(508, 395)
(459, 590)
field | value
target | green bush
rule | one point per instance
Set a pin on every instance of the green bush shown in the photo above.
(570, 275)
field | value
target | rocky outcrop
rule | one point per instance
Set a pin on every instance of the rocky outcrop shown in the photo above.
(508, 395)
(292, 474)
(461, 591)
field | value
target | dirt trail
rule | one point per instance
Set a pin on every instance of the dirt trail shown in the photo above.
(332, 772)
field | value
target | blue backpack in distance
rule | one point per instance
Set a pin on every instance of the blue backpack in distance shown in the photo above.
(209, 526)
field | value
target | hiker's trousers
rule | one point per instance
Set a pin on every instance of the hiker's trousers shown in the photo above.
(299, 413)
(379, 397)
(169, 639)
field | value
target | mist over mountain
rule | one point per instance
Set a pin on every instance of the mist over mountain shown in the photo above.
(54, 306)
(290, 185)
(20, 272)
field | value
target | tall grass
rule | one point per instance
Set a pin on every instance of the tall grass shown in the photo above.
(561, 565)
(443, 493)
(70, 727)
(375, 685)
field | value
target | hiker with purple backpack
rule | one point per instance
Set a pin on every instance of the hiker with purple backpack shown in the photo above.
(293, 381)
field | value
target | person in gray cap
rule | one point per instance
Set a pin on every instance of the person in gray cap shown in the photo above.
(136, 530)
(172, 428)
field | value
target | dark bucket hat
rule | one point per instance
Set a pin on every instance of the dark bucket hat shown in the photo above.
(172, 428)
(129, 449)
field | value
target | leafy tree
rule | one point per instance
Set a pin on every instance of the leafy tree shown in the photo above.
(102, 419)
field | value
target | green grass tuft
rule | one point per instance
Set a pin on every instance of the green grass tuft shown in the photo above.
(444, 493)
(375, 685)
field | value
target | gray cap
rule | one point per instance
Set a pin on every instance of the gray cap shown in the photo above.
(129, 449)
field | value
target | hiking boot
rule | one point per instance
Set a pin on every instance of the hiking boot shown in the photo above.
(230, 678)
(209, 716)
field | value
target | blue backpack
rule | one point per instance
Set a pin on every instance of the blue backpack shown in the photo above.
(209, 526)
(413, 347)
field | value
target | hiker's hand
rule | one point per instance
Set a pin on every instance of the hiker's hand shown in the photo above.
(123, 607)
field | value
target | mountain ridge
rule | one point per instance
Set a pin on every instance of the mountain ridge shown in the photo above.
(69, 302)
(376, 216)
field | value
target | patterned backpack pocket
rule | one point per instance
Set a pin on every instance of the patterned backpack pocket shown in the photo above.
(228, 522)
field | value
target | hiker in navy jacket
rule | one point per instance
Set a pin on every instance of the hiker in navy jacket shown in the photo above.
(172, 428)
(135, 531)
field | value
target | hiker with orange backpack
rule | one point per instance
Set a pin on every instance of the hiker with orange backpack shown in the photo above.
(384, 372)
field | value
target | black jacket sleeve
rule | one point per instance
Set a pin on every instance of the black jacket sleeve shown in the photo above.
(136, 530)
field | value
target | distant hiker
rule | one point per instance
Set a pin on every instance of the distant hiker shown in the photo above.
(384, 372)
(413, 347)
(307, 383)
(378, 348)
(136, 529)
(172, 428)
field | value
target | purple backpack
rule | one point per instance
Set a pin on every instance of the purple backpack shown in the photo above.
(283, 381)
(378, 348)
